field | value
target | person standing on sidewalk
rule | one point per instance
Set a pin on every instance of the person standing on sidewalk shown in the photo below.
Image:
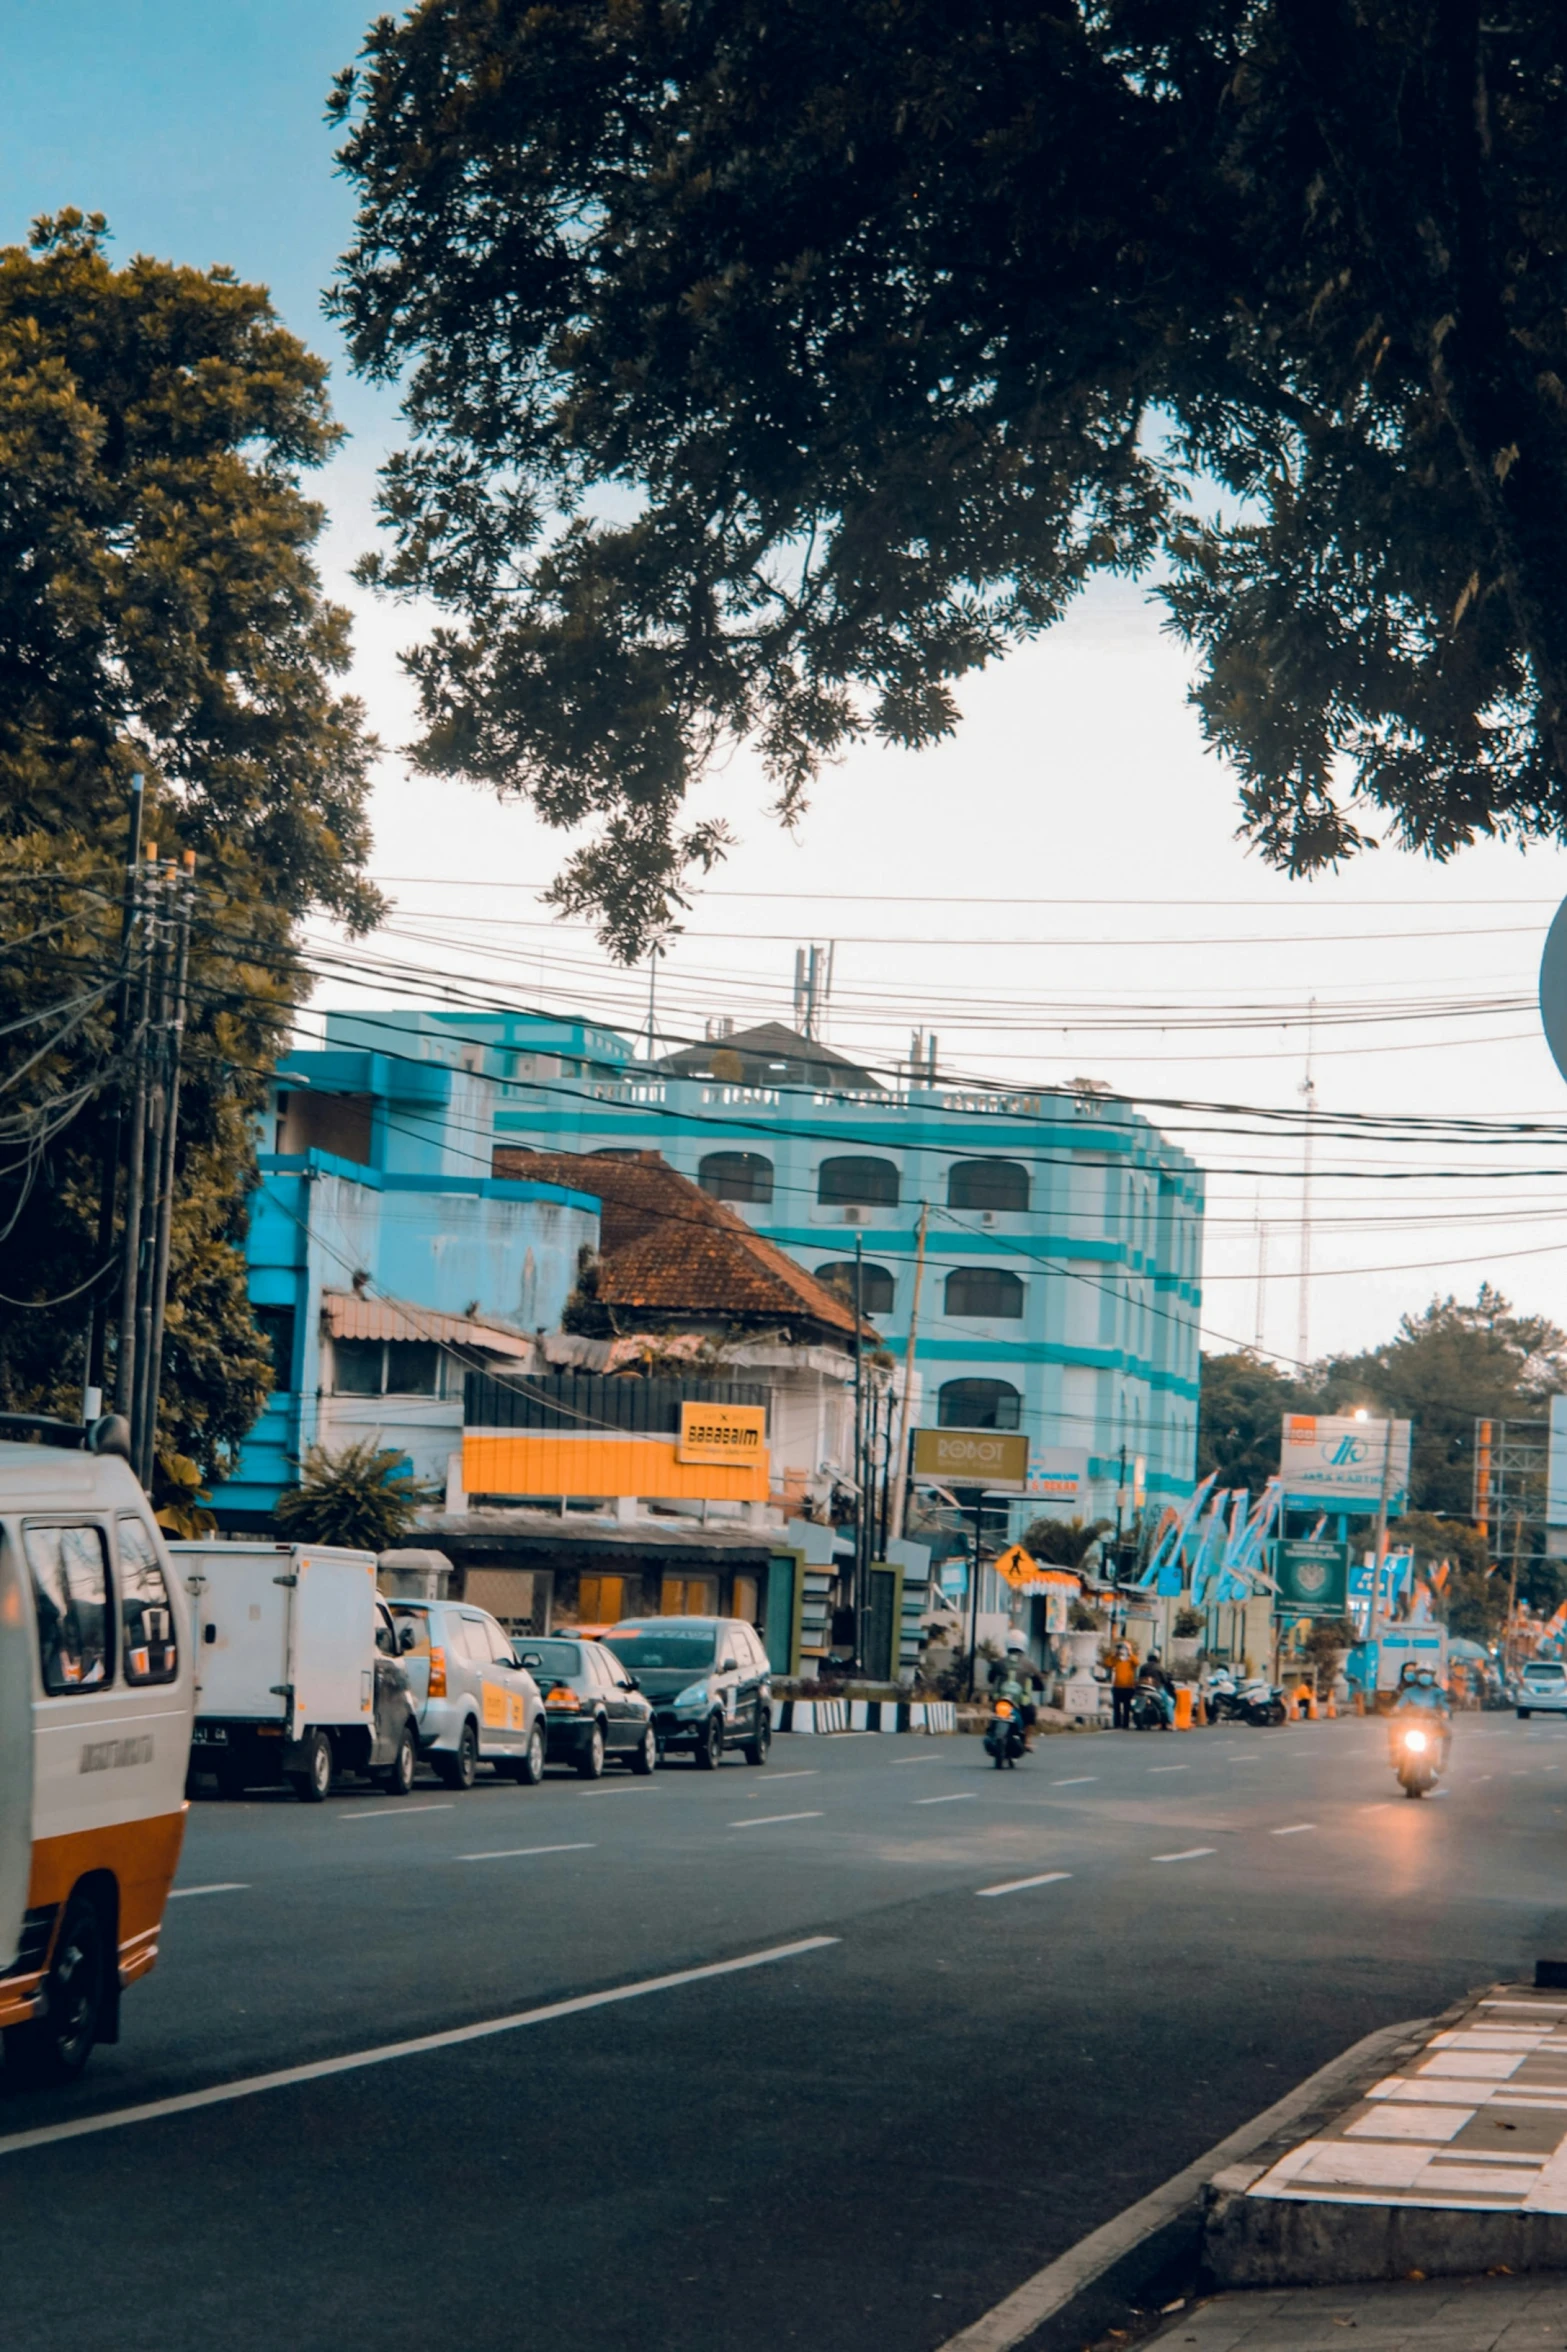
(1123, 1681)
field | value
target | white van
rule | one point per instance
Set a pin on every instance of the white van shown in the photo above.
(95, 1722)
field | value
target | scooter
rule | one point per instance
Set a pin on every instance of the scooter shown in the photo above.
(1149, 1712)
(1256, 1702)
(1004, 1735)
(1418, 1750)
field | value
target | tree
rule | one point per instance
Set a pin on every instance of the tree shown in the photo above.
(1448, 1367)
(361, 1496)
(159, 611)
(771, 366)
(1063, 1543)
(1242, 1401)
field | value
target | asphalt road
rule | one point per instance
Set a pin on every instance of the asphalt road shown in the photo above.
(868, 2141)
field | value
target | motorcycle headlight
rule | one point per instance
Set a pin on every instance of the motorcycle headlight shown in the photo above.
(1415, 1741)
(694, 1695)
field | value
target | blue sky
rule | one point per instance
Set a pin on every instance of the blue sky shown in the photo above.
(199, 130)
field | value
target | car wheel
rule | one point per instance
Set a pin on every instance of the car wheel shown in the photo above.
(55, 2047)
(1523, 1714)
(644, 1756)
(756, 1749)
(590, 1755)
(710, 1747)
(458, 1771)
(530, 1765)
(313, 1781)
(400, 1779)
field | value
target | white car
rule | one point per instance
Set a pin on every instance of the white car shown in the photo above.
(1542, 1688)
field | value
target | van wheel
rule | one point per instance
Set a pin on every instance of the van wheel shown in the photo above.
(1523, 1714)
(459, 1771)
(313, 1781)
(756, 1749)
(590, 1756)
(530, 1765)
(710, 1747)
(55, 2047)
(400, 1777)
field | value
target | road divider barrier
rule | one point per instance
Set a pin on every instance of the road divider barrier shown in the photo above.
(828, 1715)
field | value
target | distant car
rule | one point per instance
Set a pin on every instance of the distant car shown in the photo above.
(1542, 1688)
(474, 1703)
(708, 1679)
(593, 1708)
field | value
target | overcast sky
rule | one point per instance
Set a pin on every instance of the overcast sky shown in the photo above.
(1058, 891)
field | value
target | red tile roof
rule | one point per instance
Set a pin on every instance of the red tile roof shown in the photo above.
(668, 1248)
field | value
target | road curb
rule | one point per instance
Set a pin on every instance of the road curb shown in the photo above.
(1083, 2290)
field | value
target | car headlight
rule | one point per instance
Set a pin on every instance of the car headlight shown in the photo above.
(694, 1695)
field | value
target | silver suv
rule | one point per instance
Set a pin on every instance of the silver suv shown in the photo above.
(1541, 1688)
(473, 1703)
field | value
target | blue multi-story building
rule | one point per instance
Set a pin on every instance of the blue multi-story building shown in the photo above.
(1060, 1287)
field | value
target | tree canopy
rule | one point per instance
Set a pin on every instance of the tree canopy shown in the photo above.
(772, 365)
(159, 611)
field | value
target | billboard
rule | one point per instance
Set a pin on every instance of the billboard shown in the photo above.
(1335, 1461)
(722, 1433)
(996, 1459)
(1313, 1579)
(1058, 1479)
(1556, 1474)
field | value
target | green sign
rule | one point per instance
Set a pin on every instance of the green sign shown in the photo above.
(1313, 1579)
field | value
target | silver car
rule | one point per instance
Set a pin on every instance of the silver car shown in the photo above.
(473, 1703)
(1541, 1689)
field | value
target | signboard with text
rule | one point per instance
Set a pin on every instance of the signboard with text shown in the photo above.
(722, 1433)
(996, 1459)
(1058, 1479)
(1313, 1579)
(1335, 1461)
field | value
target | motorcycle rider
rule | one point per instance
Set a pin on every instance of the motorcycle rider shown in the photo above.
(1420, 1695)
(1152, 1676)
(1017, 1684)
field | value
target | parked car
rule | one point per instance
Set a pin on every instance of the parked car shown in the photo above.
(1541, 1688)
(593, 1706)
(708, 1679)
(474, 1703)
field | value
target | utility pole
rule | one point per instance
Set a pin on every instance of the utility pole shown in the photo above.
(94, 1371)
(862, 1505)
(1262, 1279)
(899, 1464)
(1512, 1596)
(136, 1145)
(182, 886)
(1309, 1090)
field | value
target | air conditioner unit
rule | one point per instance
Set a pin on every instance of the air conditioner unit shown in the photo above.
(987, 1216)
(852, 1216)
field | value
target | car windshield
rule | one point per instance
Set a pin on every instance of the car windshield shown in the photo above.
(688, 1651)
(419, 1619)
(1544, 1673)
(559, 1658)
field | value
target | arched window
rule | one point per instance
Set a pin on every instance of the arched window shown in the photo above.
(979, 1404)
(984, 1290)
(853, 1183)
(987, 1184)
(736, 1176)
(876, 1284)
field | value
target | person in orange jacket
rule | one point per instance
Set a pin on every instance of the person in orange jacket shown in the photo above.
(1123, 1681)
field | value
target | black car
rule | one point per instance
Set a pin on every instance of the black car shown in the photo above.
(708, 1679)
(593, 1709)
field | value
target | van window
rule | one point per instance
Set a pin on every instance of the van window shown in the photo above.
(146, 1618)
(71, 1595)
(475, 1642)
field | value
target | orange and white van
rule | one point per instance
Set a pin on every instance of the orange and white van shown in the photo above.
(95, 1721)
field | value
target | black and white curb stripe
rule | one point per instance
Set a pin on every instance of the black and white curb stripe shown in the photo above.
(823, 1715)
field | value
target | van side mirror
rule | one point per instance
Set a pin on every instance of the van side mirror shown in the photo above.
(728, 1667)
(408, 1638)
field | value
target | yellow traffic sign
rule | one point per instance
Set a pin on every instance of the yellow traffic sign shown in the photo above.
(1018, 1567)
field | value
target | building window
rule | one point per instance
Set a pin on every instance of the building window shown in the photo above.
(987, 1184)
(601, 1600)
(386, 1367)
(979, 1404)
(736, 1176)
(688, 1596)
(855, 1183)
(984, 1290)
(876, 1285)
(276, 1326)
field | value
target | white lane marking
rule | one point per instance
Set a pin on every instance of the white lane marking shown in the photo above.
(221, 1886)
(319, 2069)
(1081, 1781)
(806, 1772)
(515, 1853)
(766, 1820)
(962, 1797)
(1293, 1829)
(394, 1813)
(622, 1788)
(1015, 1886)
(1190, 1854)
(1153, 1768)
(916, 1759)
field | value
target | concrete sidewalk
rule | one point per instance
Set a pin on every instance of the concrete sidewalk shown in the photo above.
(1433, 2315)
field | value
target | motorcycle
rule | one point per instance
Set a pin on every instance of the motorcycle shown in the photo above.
(1148, 1709)
(1004, 1735)
(1418, 1752)
(1256, 1701)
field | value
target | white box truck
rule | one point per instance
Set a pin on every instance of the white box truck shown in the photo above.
(298, 1673)
(1399, 1646)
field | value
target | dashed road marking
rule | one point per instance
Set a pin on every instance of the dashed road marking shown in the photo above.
(962, 1797)
(1015, 1886)
(394, 1812)
(1292, 1829)
(1188, 1854)
(766, 1820)
(220, 1886)
(516, 1853)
